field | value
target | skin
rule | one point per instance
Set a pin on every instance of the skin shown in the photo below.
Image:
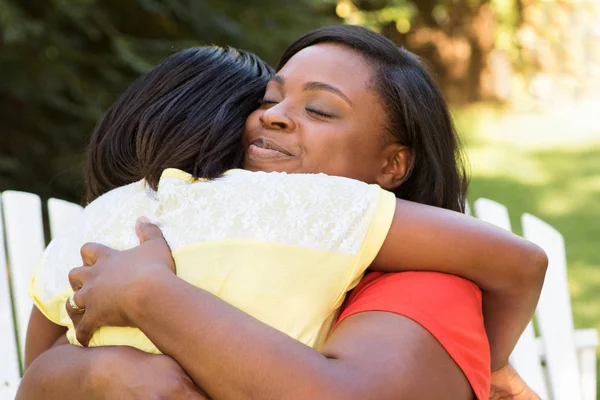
(290, 133)
(310, 109)
(343, 370)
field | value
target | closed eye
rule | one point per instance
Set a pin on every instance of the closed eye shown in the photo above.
(319, 113)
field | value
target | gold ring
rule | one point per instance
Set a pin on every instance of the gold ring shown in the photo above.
(74, 305)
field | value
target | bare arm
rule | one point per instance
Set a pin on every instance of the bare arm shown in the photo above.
(232, 355)
(55, 369)
(41, 335)
(509, 270)
(245, 359)
(68, 372)
(60, 373)
(425, 238)
(415, 367)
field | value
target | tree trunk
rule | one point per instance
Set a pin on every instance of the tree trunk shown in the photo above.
(456, 47)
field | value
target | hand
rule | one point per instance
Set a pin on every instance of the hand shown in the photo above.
(127, 373)
(106, 286)
(508, 385)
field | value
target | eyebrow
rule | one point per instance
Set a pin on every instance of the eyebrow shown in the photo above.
(316, 86)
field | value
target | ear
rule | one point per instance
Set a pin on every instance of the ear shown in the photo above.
(397, 166)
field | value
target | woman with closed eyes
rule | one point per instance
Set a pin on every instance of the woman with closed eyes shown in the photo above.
(285, 248)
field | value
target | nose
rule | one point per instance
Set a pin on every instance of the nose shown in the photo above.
(277, 119)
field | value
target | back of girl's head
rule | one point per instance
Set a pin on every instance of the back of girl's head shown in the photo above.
(418, 116)
(187, 113)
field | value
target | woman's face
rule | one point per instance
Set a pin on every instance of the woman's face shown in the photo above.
(320, 114)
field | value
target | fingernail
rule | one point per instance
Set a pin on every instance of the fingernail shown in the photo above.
(143, 220)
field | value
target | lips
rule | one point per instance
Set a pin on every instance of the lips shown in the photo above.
(264, 150)
(266, 144)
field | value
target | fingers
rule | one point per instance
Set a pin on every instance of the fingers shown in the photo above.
(78, 276)
(74, 314)
(91, 252)
(146, 230)
(85, 329)
(83, 320)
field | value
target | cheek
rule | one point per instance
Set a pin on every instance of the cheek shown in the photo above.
(341, 152)
(252, 123)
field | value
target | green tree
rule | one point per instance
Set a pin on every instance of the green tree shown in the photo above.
(63, 62)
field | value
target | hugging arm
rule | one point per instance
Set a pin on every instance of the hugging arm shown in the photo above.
(509, 270)
(57, 370)
(232, 356)
(241, 358)
(67, 372)
(252, 361)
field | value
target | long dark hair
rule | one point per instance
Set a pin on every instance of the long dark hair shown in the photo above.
(418, 116)
(188, 113)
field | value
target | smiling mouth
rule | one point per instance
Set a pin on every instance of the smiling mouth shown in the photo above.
(264, 150)
(265, 144)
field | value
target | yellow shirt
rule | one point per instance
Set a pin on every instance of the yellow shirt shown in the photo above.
(284, 248)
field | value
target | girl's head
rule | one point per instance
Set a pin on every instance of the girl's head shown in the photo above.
(348, 102)
(187, 113)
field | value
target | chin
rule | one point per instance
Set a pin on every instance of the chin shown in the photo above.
(272, 166)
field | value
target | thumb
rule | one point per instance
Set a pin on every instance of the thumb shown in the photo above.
(145, 230)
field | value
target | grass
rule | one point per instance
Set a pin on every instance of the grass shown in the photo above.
(547, 165)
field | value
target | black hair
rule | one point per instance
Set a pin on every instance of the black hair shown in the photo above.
(418, 115)
(188, 113)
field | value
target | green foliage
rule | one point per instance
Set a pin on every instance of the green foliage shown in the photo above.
(63, 62)
(376, 14)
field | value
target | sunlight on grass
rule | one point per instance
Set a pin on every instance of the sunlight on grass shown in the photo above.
(507, 161)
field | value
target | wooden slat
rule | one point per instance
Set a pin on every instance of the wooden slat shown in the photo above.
(526, 360)
(586, 342)
(61, 213)
(525, 357)
(554, 317)
(25, 244)
(9, 361)
(495, 213)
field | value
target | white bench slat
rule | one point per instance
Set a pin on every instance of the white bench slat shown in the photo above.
(586, 341)
(61, 213)
(492, 212)
(25, 244)
(9, 362)
(26, 208)
(526, 360)
(553, 313)
(525, 357)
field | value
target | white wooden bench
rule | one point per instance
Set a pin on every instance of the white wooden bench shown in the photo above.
(559, 365)
(23, 232)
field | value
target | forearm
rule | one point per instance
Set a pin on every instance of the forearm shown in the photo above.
(240, 356)
(508, 309)
(45, 377)
(423, 238)
(505, 320)
(509, 270)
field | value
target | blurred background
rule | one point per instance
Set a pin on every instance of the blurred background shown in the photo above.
(522, 77)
